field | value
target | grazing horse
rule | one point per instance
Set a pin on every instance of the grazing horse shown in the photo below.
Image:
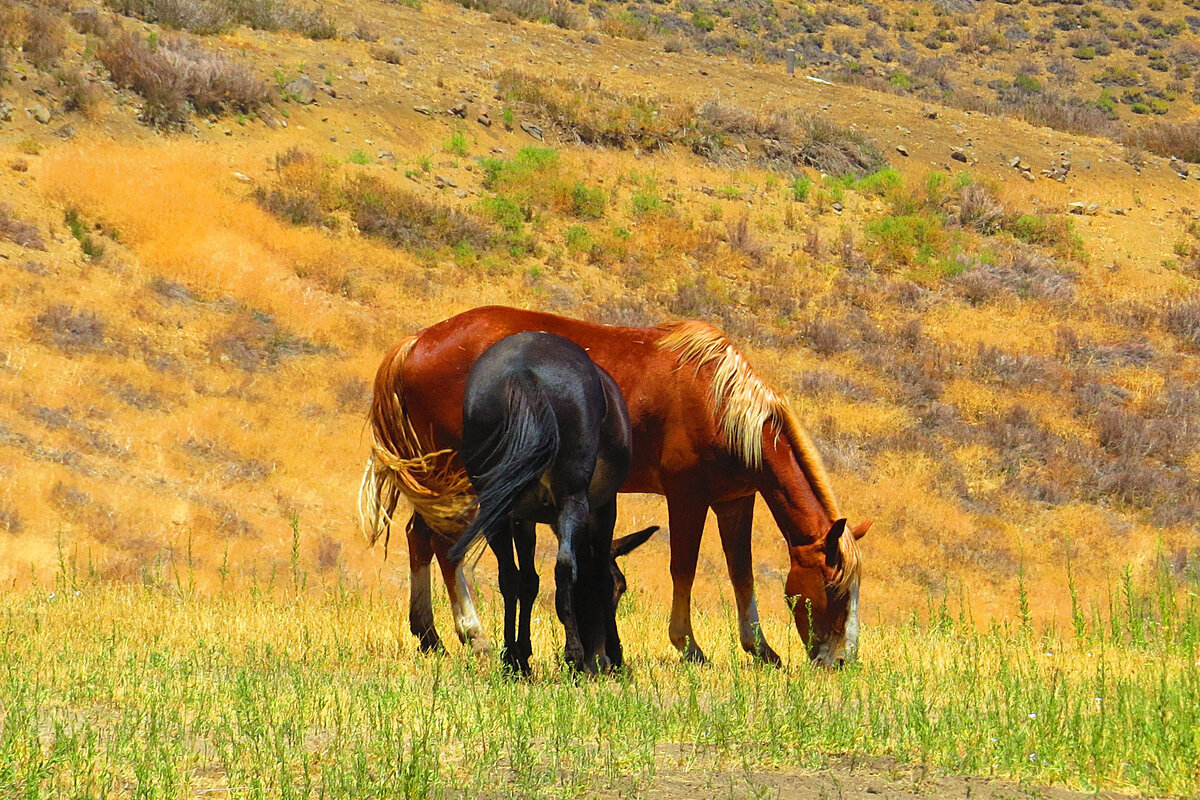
(707, 433)
(546, 438)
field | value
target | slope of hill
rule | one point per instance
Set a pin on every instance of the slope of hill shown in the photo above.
(1000, 366)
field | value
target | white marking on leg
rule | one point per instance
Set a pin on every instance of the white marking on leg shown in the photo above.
(748, 625)
(466, 620)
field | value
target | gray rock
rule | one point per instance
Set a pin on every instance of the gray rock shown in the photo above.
(426, 110)
(442, 183)
(301, 90)
(1015, 163)
(5, 112)
(459, 109)
(959, 155)
(40, 113)
(902, 150)
(533, 130)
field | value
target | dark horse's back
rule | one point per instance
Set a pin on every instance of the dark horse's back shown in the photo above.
(540, 420)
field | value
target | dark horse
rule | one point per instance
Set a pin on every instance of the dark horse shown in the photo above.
(546, 438)
(707, 433)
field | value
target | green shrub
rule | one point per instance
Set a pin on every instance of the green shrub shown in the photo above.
(1085, 53)
(587, 203)
(801, 186)
(1027, 83)
(913, 239)
(578, 237)
(901, 80)
(456, 144)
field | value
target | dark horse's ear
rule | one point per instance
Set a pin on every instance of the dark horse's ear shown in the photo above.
(627, 543)
(831, 542)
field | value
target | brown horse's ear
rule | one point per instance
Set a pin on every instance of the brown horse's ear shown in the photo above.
(831, 542)
(862, 529)
(627, 543)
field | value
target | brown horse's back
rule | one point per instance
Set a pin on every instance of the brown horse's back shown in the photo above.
(669, 436)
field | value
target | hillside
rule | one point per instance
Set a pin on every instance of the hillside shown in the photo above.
(1000, 366)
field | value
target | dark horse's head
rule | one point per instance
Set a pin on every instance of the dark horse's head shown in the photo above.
(822, 590)
(619, 548)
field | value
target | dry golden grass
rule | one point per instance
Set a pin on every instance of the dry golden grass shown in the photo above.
(220, 396)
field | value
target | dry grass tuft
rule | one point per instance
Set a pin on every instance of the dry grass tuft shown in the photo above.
(1183, 320)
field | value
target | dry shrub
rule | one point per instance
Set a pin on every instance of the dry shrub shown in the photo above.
(1164, 138)
(787, 139)
(352, 394)
(71, 331)
(179, 75)
(196, 16)
(45, 37)
(1183, 320)
(225, 520)
(233, 467)
(994, 364)
(825, 337)
(978, 208)
(329, 553)
(18, 231)
(11, 521)
(87, 20)
(582, 111)
(254, 342)
(1024, 274)
(305, 190)
(78, 94)
(408, 220)
(742, 238)
(387, 53)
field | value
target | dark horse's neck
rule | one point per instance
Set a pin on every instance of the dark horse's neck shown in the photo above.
(794, 505)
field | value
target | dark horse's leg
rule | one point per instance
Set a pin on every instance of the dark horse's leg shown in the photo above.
(605, 615)
(525, 540)
(420, 603)
(571, 530)
(501, 542)
(735, 519)
(685, 513)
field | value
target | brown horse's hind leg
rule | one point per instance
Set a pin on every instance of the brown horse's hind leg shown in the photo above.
(685, 514)
(735, 519)
(466, 620)
(420, 603)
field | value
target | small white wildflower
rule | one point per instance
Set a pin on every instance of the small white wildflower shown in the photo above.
(1033, 716)
(1033, 756)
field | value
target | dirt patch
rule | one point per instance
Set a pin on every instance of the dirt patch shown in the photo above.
(873, 779)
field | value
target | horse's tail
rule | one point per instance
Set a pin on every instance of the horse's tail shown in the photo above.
(399, 465)
(523, 448)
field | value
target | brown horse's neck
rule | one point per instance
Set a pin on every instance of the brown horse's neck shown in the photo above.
(797, 510)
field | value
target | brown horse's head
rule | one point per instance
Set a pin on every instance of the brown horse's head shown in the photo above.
(822, 591)
(619, 548)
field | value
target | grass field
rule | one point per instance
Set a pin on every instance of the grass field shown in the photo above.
(289, 689)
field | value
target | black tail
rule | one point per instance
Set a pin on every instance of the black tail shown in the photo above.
(522, 450)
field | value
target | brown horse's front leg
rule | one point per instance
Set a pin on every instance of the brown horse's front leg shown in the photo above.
(685, 513)
(420, 603)
(735, 520)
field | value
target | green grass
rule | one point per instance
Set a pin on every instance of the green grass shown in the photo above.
(307, 690)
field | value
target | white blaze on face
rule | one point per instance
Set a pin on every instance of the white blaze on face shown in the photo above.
(851, 651)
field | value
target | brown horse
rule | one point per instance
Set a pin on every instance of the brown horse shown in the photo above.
(707, 433)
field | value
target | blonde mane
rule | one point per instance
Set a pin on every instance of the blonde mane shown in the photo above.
(745, 404)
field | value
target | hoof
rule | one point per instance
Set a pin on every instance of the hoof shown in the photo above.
(430, 642)
(694, 655)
